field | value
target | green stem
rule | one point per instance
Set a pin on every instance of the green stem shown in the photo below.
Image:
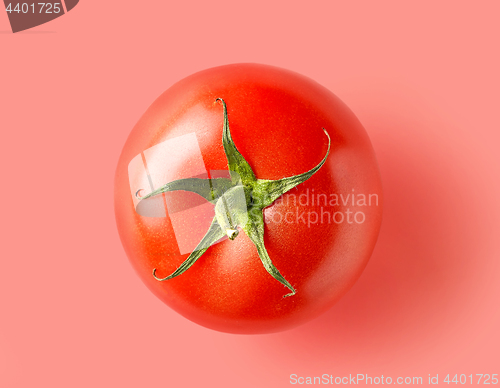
(239, 203)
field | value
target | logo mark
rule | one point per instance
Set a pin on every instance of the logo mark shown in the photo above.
(29, 14)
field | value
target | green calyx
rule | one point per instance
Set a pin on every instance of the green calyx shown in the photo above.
(239, 203)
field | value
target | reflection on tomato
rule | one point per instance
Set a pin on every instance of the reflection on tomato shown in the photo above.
(319, 234)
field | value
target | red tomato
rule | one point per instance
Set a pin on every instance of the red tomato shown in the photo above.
(319, 235)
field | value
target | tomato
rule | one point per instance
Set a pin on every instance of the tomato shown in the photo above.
(294, 246)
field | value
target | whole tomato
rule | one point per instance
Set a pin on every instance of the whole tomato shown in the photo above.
(248, 198)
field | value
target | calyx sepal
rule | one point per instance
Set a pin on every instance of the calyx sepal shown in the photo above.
(239, 203)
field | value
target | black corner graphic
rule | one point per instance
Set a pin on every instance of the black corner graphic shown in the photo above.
(29, 14)
(70, 4)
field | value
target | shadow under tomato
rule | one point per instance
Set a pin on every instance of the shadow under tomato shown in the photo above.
(410, 293)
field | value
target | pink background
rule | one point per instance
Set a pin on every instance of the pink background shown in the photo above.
(424, 80)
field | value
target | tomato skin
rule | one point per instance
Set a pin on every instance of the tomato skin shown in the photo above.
(276, 119)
